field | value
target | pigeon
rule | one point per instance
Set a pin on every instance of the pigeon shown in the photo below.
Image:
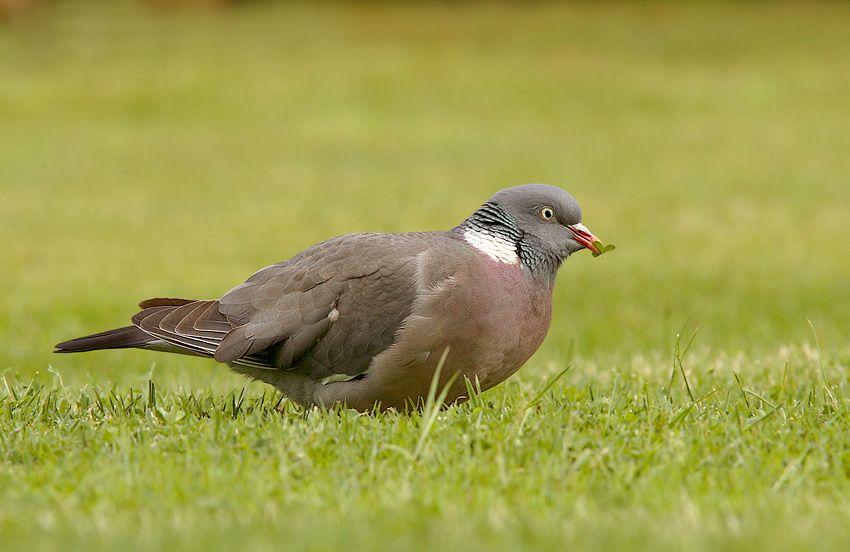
(367, 320)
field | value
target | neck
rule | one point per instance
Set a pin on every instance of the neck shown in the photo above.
(494, 232)
(491, 221)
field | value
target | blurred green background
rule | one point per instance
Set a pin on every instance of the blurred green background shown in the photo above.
(166, 148)
(156, 150)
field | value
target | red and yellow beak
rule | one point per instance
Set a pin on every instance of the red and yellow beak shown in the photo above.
(584, 236)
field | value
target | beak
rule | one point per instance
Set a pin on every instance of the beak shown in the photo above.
(584, 236)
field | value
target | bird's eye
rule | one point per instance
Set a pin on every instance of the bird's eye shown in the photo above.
(547, 213)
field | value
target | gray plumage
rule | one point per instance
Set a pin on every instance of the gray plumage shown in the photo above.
(364, 319)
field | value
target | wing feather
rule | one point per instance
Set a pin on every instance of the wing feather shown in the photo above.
(327, 311)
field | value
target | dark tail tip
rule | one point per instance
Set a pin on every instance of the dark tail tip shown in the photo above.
(121, 338)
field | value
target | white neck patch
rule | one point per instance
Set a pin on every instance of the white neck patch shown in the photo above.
(498, 249)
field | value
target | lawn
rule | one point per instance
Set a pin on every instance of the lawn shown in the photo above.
(172, 152)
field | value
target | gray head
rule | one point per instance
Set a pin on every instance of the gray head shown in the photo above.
(542, 222)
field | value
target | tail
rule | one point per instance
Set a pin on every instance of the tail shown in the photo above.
(172, 325)
(122, 338)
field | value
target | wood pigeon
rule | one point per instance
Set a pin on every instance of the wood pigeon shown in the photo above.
(365, 319)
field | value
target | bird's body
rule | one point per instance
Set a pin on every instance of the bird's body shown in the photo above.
(365, 319)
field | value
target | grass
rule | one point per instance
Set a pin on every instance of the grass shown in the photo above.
(620, 462)
(153, 152)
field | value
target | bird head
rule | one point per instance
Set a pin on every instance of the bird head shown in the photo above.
(543, 221)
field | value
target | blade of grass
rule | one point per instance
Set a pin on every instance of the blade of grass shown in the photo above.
(679, 356)
(825, 381)
(540, 394)
(433, 404)
(743, 391)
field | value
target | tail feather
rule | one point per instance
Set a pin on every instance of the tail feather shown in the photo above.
(121, 338)
(172, 325)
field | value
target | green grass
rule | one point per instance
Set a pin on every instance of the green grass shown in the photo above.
(154, 152)
(616, 463)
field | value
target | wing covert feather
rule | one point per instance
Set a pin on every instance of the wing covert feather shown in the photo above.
(331, 308)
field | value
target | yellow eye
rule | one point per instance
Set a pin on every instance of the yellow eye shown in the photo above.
(547, 213)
